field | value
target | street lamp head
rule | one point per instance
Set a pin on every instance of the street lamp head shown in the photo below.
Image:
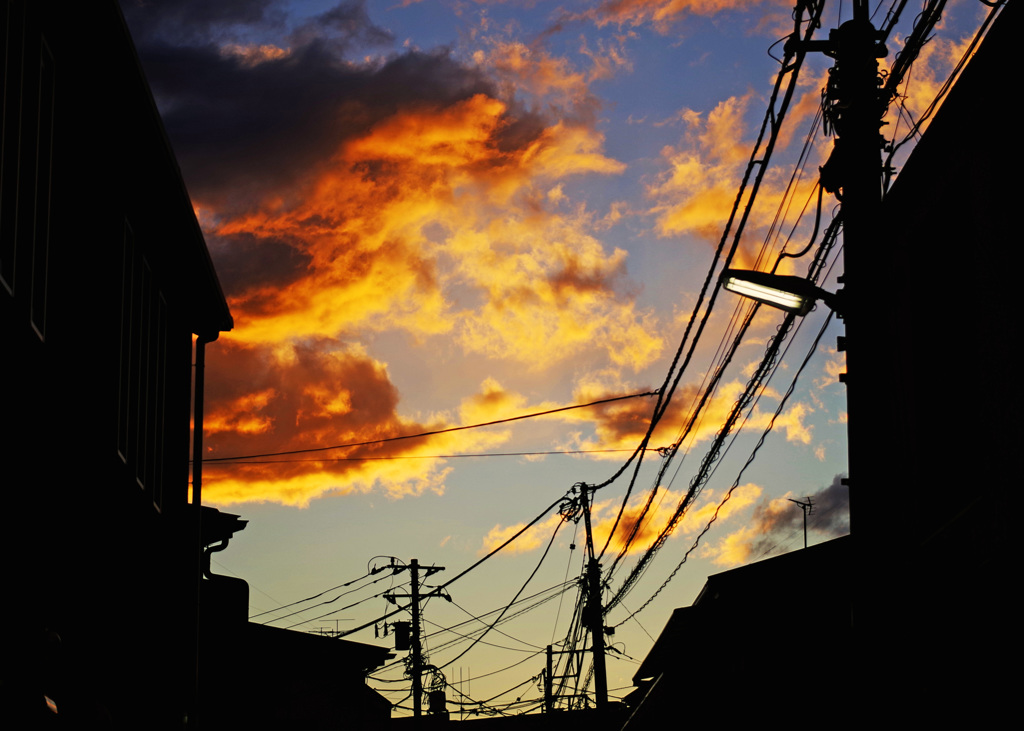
(789, 293)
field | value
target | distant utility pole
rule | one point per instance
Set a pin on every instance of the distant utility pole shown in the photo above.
(415, 647)
(808, 509)
(549, 702)
(593, 610)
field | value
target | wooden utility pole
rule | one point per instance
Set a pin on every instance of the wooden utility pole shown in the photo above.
(594, 611)
(853, 172)
(549, 701)
(415, 646)
(854, 109)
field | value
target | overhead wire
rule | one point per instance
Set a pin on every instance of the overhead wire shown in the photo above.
(551, 592)
(660, 409)
(477, 563)
(478, 619)
(637, 522)
(434, 432)
(317, 596)
(532, 651)
(568, 567)
(544, 556)
(815, 270)
(771, 125)
(712, 454)
(674, 376)
(466, 455)
(339, 609)
(778, 411)
(914, 44)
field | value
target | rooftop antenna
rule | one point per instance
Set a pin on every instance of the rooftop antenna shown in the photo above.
(808, 509)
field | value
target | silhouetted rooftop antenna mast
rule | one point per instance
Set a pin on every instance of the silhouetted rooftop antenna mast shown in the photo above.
(808, 509)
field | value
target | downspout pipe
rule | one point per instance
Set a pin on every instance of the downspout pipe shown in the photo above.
(197, 421)
(199, 387)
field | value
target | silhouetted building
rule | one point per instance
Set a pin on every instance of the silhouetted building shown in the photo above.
(758, 638)
(933, 462)
(104, 277)
(936, 370)
(256, 676)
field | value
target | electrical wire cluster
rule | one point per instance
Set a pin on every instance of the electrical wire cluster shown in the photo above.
(569, 677)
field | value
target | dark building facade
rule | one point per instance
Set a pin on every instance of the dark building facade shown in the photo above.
(932, 474)
(933, 461)
(104, 278)
(758, 639)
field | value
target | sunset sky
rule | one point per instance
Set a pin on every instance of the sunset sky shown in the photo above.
(440, 213)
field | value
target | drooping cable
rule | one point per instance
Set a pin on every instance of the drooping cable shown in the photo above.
(458, 576)
(771, 425)
(526, 583)
(713, 452)
(435, 432)
(759, 158)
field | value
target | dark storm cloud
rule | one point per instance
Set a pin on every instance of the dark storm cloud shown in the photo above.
(182, 21)
(243, 127)
(344, 25)
(247, 262)
(831, 517)
(832, 506)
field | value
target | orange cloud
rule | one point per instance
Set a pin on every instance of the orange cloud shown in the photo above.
(536, 537)
(433, 198)
(697, 191)
(242, 415)
(313, 396)
(422, 198)
(253, 55)
(490, 403)
(659, 13)
(623, 424)
(652, 524)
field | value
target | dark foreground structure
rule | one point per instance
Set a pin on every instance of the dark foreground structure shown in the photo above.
(912, 633)
(104, 280)
(757, 637)
(932, 486)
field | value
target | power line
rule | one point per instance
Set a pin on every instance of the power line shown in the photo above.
(329, 601)
(434, 432)
(750, 459)
(317, 596)
(759, 157)
(509, 605)
(228, 460)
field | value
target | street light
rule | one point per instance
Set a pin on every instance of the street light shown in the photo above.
(786, 292)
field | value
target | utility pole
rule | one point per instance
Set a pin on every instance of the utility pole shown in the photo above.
(853, 172)
(594, 611)
(549, 701)
(415, 647)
